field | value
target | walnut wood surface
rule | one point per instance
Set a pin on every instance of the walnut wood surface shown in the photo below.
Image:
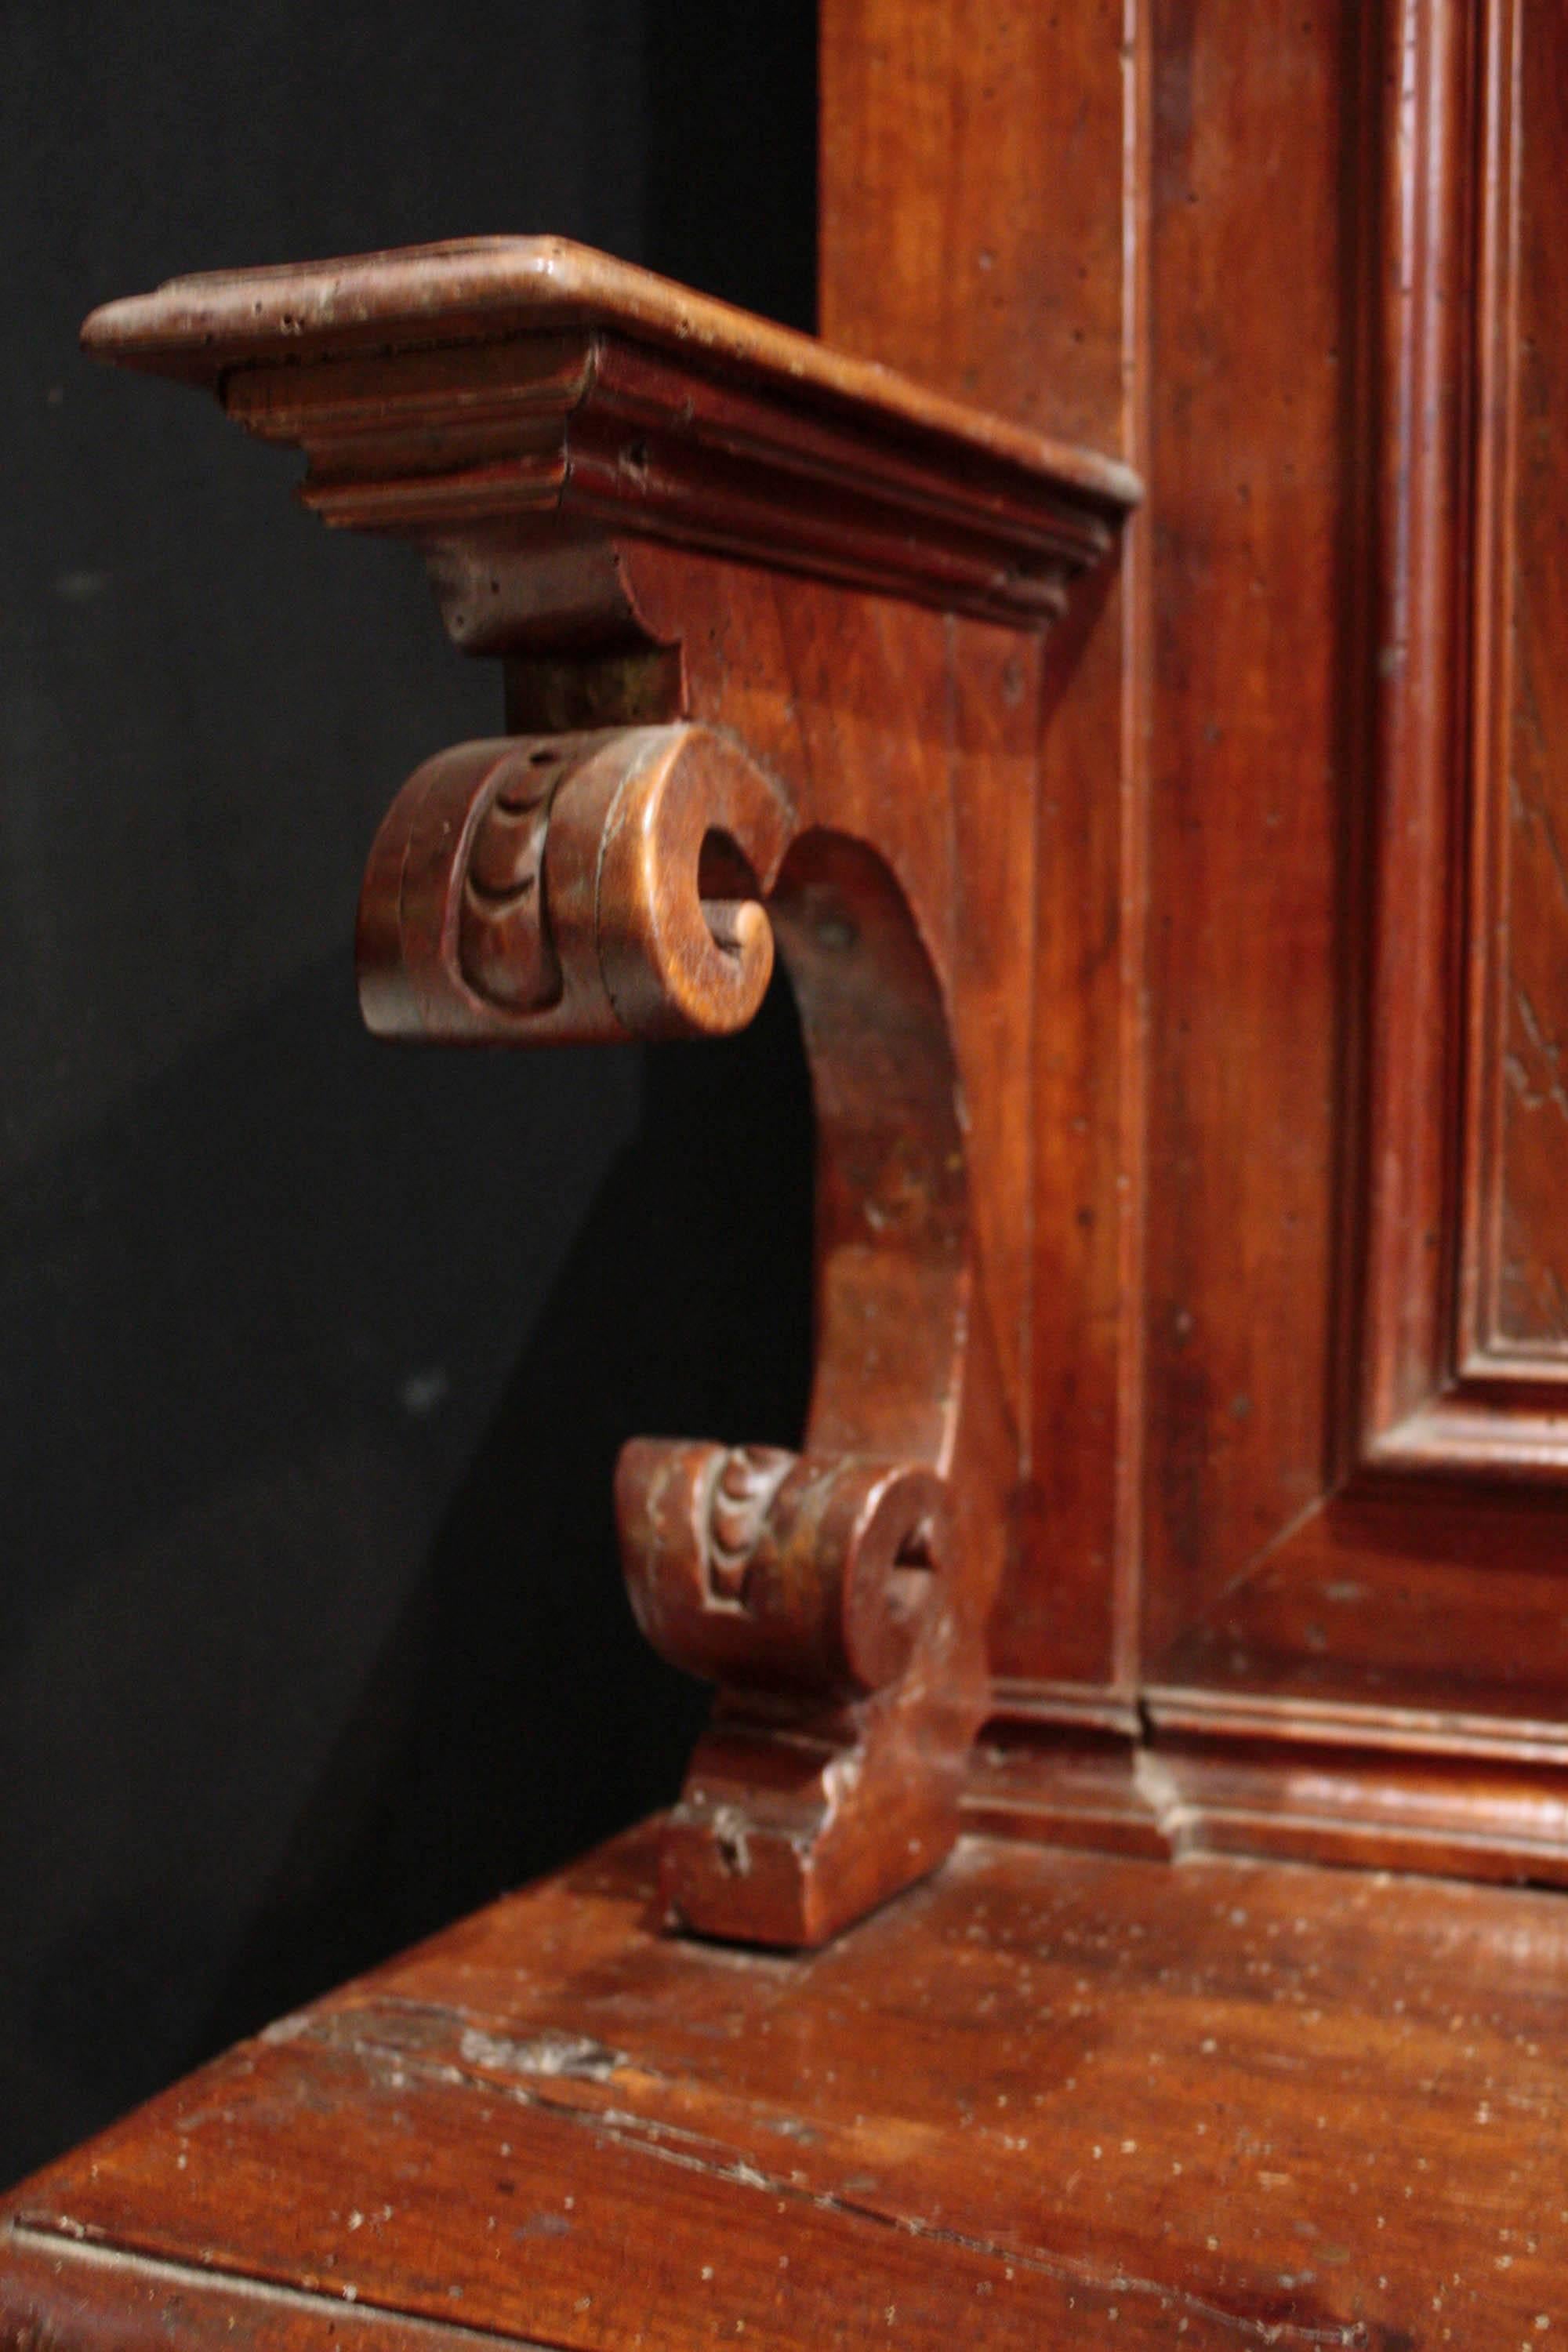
(1045, 2099)
(494, 290)
(982, 225)
(454, 394)
(1276, 943)
(1187, 1109)
(712, 755)
(1346, 1536)
(1513, 1299)
(1295, 1148)
(1281, 914)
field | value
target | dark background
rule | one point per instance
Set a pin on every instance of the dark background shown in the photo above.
(316, 1353)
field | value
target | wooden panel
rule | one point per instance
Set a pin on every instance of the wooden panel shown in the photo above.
(59, 2290)
(982, 208)
(1465, 1353)
(971, 202)
(1258, 193)
(1420, 323)
(1344, 1542)
(1044, 2098)
(1258, 1230)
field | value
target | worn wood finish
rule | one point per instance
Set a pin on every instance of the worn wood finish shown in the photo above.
(453, 394)
(1463, 1377)
(1183, 995)
(1046, 2099)
(1267, 1236)
(1513, 1304)
(749, 595)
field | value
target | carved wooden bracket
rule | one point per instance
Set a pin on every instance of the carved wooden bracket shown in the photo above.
(767, 617)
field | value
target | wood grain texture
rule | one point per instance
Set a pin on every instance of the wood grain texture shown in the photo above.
(1463, 1373)
(481, 290)
(1181, 994)
(1251, 395)
(1403, 1581)
(452, 393)
(981, 212)
(1279, 2106)
(1240, 890)
(1324, 316)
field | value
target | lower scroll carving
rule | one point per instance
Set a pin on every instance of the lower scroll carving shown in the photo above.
(605, 885)
(837, 1565)
(816, 1592)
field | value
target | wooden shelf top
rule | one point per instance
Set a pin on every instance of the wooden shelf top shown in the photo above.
(515, 386)
(493, 289)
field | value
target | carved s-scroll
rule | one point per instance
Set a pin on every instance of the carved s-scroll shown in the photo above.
(572, 890)
(601, 884)
(763, 1571)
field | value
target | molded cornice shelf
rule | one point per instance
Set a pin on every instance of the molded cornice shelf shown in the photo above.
(509, 380)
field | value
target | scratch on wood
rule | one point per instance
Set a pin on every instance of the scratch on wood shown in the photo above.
(550, 2053)
(699, 2153)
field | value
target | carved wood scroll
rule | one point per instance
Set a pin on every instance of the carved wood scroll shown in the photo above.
(770, 622)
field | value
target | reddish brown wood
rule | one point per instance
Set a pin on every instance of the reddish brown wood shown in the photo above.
(1513, 1295)
(1305, 275)
(1427, 194)
(456, 393)
(1320, 306)
(551, 889)
(1455, 1026)
(1183, 995)
(1229, 2104)
(982, 198)
(580, 451)
(1389, 1576)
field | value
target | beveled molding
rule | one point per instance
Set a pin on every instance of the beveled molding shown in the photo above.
(1210, 1771)
(1441, 1394)
(499, 395)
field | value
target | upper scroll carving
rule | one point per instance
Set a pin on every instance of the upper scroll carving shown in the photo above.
(572, 890)
(459, 394)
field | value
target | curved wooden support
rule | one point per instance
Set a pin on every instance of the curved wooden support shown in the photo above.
(839, 1597)
(571, 889)
(589, 886)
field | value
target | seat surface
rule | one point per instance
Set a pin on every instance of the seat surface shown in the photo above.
(1045, 2098)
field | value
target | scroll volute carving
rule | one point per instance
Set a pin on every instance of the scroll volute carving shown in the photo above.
(572, 890)
(746, 592)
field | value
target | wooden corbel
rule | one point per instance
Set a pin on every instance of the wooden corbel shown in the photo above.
(770, 623)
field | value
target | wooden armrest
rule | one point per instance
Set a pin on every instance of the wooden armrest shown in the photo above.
(771, 622)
